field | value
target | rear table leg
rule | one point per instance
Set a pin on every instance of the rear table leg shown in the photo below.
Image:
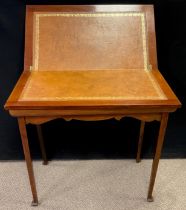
(140, 142)
(42, 145)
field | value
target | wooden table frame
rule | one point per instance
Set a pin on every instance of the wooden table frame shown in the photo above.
(163, 118)
(39, 112)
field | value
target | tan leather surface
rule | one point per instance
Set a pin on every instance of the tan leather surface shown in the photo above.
(89, 41)
(91, 85)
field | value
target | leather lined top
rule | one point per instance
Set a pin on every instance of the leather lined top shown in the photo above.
(91, 85)
(89, 41)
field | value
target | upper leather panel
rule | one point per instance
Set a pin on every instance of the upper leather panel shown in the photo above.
(89, 41)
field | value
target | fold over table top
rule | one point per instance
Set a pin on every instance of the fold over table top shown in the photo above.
(97, 55)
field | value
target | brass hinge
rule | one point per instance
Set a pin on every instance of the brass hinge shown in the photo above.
(149, 67)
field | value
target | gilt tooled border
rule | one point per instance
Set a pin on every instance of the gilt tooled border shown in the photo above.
(157, 89)
(37, 33)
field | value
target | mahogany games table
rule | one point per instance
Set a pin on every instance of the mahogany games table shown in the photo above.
(91, 62)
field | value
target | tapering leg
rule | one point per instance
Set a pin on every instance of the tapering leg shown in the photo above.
(163, 126)
(140, 142)
(24, 138)
(42, 145)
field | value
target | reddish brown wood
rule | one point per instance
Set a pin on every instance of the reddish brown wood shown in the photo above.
(140, 142)
(145, 117)
(14, 96)
(38, 112)
(28, 39)
(164, 86)
(42, 144)
(24, 138)
(163, 126)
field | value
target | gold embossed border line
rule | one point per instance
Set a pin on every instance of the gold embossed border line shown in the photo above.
(38, 16)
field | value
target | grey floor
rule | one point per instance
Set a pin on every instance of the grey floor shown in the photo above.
(94, 185)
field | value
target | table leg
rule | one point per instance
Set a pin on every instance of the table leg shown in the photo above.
(42, 145)
(140, 142)
(24, 138)
(160, 140)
